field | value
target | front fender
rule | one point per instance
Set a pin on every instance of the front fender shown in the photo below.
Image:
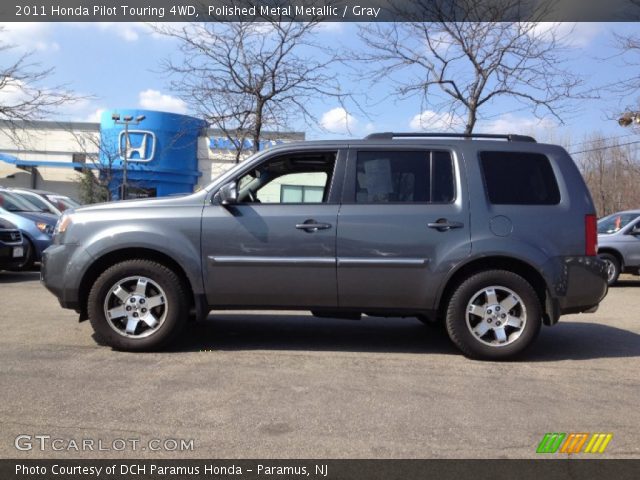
(181, 247)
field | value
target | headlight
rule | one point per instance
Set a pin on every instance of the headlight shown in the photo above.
(45, 228)
(63, 223)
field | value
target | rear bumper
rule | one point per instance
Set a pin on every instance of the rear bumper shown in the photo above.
(581, 285)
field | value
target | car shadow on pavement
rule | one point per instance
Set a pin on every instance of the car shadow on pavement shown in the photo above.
(584, 341)
(7, 276)
(238, 331)
(627, 283)
(241, 331)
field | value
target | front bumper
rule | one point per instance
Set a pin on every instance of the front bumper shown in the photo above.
(7, 260)
(61, 272)
(40, 244)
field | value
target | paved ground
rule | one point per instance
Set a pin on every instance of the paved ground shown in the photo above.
(249, 385)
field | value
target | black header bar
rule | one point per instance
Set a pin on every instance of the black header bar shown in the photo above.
(318, 10)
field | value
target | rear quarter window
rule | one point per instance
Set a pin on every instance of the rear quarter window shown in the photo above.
(519, 178)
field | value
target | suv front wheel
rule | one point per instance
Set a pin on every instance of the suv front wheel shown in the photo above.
(137, 305)
(493, 315)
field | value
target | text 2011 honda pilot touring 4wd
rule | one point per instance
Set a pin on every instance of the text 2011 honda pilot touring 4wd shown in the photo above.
(492, 237)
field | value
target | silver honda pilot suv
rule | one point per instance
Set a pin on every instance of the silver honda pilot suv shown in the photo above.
(490, 235)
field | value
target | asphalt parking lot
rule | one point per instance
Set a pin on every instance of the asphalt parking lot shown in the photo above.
(248, 385)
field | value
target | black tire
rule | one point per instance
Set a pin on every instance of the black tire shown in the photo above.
(487, 346)
(613, 267)
(174, 311)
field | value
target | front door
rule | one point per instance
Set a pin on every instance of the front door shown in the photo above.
(276, 245)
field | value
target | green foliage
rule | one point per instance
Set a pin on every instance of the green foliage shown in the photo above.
(91, 189)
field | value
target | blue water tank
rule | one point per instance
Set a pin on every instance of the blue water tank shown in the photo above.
(162, 153)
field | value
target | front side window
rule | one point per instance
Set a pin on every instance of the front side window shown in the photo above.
(404, 177)
(518, 178)
(293, 178)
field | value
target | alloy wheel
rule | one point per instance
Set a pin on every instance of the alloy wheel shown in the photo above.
(135, 307)
(496, 316)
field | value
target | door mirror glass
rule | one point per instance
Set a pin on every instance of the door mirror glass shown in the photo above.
(228, 194)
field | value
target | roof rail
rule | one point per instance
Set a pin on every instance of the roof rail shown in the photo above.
(391, 135)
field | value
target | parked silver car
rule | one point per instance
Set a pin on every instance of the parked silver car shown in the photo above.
(491, 236)
(49, 202)
(619, 243)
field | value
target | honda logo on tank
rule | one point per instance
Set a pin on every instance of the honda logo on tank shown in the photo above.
(140, 145)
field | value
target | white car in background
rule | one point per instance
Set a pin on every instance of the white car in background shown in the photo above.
(48, 201)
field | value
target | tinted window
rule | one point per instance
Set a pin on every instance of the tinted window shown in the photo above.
(405, 177)
(514, 178)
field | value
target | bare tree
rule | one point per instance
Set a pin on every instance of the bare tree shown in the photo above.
(22, 93)
(612, 173)
(100, 171)
(462, 66)
(243, 76)
(629, 49)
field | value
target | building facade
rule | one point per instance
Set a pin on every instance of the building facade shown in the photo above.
(164, 153)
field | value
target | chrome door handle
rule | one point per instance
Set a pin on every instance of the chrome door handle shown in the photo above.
(312, 226)
(442, 225)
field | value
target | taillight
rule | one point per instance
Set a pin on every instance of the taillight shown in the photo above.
(591, 235)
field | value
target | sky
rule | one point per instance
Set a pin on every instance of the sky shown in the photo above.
(117, 65)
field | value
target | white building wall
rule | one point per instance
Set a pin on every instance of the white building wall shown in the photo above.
(47, 142)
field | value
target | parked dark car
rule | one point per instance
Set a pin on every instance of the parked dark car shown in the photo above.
(12, 247)
(619, 243)
(491, 236)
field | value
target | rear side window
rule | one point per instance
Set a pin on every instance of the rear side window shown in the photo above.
(517, 178)
(404, 177)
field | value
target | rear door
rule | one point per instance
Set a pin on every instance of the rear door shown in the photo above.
(403, 223)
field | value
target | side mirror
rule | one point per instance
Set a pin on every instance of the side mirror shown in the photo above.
(228, 194)
(635, 230)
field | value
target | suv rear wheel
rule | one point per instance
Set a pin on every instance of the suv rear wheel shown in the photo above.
(493, 315)
(137, 305)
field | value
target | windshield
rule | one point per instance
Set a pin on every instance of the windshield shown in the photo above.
(62, 203)
(14, 203)
(37, 201)
(616, 222)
